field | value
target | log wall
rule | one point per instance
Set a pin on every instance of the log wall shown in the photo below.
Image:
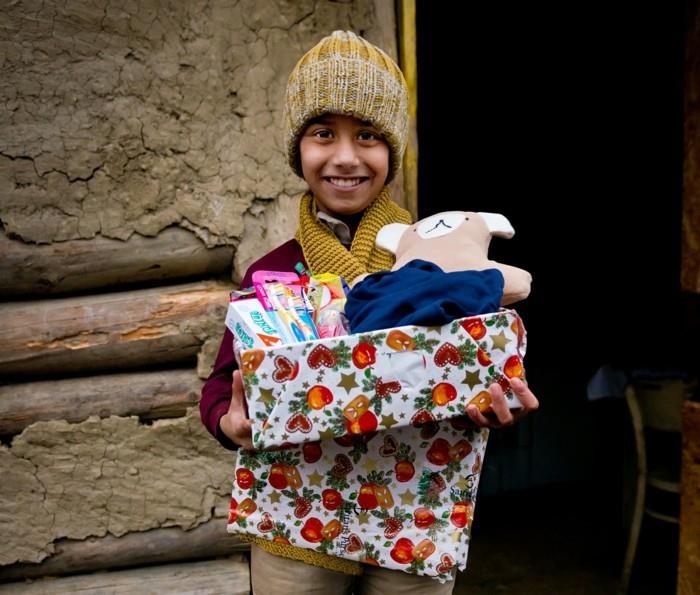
(141, 170)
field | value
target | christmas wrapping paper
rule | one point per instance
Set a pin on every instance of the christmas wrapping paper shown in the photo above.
(401, 498)
(380, 380)
(374, 459)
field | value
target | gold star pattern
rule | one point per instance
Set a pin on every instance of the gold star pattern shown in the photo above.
(388, 421)
(275, 497)
(407, 497)
(436, 329)
(348, 382)
(266, 396)
(327, 434)
(462, 483)
(500, 341)
(472, 378)
(370, 464)
(315, 479)
(363, 518)
(456, 535)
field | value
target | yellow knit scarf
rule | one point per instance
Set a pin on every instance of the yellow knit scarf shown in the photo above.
(325, 254)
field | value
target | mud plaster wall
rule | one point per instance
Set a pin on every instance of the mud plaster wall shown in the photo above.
(130, 117)
(106, 475)
(123, 117)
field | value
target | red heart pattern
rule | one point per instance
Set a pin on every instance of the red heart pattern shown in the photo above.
(447, 353)
(321, 356)
(342, 466)
(266, 523)
(284, 369)
(389, 447)
(298, 423)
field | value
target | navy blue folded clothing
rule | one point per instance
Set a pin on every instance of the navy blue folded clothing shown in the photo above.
(421, 293)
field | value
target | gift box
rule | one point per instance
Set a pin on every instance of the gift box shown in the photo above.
(380, 380)
(402, 498)
(375, 461)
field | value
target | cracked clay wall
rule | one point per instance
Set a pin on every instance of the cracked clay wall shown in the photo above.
(141, 171)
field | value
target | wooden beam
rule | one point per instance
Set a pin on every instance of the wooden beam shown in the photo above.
(149, 395)
(689, 549)
(230, 576)
(690, 263)
(131, 329)
(31, 270)
(148, 547)
(407, 55)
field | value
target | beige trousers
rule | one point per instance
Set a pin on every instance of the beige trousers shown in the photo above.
(273, 575)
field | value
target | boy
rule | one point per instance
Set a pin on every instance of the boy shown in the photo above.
(347, 122)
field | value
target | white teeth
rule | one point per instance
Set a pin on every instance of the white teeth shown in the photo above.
(345, 181)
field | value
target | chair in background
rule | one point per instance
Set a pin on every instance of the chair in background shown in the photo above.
(655, 411)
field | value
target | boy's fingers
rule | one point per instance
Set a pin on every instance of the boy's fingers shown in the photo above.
(526, 397)
(499, 405)
(238, 406)
(237, 415)
(478, 418)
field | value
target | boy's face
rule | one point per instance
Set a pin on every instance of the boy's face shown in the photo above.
(345, 163)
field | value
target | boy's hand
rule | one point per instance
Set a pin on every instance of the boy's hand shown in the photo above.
(502, 415)
(235, 423)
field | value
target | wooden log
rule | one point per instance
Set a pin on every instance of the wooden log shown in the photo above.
(690, 237)
(689, 547)
(148, 547)
(149, 395)
(132, 329)
(229, 575)
(31, 270)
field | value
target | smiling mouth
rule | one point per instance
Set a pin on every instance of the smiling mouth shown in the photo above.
(345, 182)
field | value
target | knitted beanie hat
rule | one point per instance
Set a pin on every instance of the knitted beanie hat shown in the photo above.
(345, 74)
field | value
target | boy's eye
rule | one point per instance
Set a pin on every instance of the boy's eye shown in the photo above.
(368, 135)
(322, 133)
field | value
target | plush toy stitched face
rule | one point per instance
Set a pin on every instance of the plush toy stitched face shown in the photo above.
(439, 225)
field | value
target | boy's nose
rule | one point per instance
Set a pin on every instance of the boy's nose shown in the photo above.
(345, 154)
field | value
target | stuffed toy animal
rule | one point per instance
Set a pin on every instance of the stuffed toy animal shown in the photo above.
(442, 272)
(456, 241)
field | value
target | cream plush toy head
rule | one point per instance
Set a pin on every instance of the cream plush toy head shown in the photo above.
(456, 241)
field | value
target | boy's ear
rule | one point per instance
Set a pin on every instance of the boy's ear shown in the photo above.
(389, 236)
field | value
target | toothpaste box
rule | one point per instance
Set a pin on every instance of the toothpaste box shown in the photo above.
(251, 325)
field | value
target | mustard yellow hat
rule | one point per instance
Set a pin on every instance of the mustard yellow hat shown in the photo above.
(347, 75)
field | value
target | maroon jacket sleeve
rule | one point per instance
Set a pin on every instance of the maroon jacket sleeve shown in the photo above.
(216, 392)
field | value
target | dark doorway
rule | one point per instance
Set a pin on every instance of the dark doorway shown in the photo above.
(568, 120)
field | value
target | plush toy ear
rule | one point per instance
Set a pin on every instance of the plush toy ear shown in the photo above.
(389, 236)
(498, 225)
